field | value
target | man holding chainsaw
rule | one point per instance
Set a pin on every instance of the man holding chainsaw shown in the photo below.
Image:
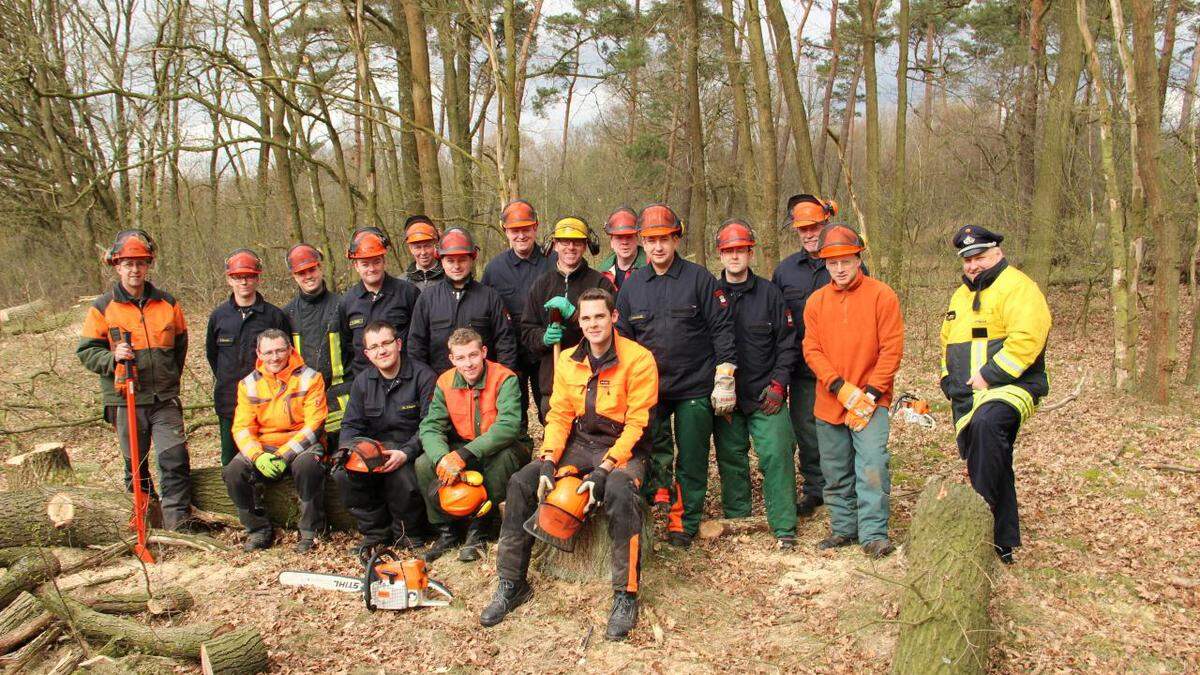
(853, 341)
(137, 324)
(277, 426)
(549, 321)
(378, 478)
(474, 423)
(594, 452)
(993, 370)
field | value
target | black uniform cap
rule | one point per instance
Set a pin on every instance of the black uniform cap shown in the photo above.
(973, 239)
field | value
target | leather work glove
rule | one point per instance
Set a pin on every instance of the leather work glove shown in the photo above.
(553, 334)
(770, 401)
(724, 398)
(546, 479)
(593, 484)
(450, 465)
(270, 466)
(562, 304)
(859, 404)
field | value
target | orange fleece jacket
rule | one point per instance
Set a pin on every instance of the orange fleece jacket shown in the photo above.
(856, 334)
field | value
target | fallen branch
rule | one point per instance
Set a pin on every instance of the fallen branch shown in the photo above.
(26, 573)
(97, 578)
(55, 425)
(67, 664)
(20, 621)
(21, 658)
(1069, 397)
(165, 600)
(1160, 466)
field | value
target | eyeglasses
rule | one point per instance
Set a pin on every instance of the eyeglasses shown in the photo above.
(276, 352)
(374, 348)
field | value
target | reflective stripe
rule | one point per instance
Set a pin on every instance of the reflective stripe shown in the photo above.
(296, 341)
(978, 354)
(307, 375)
(1008, 364)
(1015, 396)
(335, 359)
(945, 370)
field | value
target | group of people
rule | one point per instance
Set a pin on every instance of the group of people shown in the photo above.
(412, 392)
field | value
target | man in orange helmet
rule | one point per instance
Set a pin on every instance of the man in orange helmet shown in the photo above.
(157, 342)
(627, 256)
(853, 340)
(474, 422)
(422, 239)
(229, 343)
(604, 390)
(387, 402)
(378, 296)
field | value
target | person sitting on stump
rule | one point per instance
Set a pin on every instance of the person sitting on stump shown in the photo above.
(277, 427)
(604, 390)
(379, 484)
(474, 422)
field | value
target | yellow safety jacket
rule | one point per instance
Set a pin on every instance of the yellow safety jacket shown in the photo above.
(995, 326)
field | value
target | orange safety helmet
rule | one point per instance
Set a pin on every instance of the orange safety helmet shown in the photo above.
(303, 257)
(838, 240)
(734, 233)
(363, 455)
(466, 497)
(243, 261)
(622, 221)
(368, 242)
(457, 241)
(659, 219)
(419, 228)
(518, 213)
(560, 516)
(804, 210)
(130, 244)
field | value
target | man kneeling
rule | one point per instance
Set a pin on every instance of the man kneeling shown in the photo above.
(604, 389)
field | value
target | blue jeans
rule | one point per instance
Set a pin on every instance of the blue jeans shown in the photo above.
(857, 480)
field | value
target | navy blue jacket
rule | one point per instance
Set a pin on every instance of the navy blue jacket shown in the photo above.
(799, 276)
(390, 412)
(229, 344)
(685, 320)
(765, 331)
(512, 276)
(439, 311)
(359, 307)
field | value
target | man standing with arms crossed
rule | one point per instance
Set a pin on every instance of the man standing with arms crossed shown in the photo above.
(378, 296)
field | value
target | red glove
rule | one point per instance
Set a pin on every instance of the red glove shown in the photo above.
(770, 401)
(449, 467)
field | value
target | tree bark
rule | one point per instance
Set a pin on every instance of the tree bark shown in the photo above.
(1027, 105)
(835, 49)
(1167, 56)
(46, 463)
(785, 63)
(944, 623)
(766, 151)
(697, 216)
(422, 97)
(22, 619)
(897, 223)
(871, 194)
(279, 499)
(592, 558)
(27, 573)
(165, 600)
(743, 140)
(240, 652)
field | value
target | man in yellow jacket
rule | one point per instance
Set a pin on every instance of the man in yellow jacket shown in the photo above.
(277, 426)
(604, 389)
(993, 370)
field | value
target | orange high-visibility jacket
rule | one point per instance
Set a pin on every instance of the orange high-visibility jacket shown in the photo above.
(285, 410)
(610, 407)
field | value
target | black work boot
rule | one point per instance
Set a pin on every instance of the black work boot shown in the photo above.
(476, 543)
(509, 596)
(836, 541)
(623, 617)
(679, 539)
(808, 505)
(447, 539)
(1005, 553)
(878, 548)
(258, 540)
(307, 543)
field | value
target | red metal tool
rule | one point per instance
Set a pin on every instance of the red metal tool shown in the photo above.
(126, 380)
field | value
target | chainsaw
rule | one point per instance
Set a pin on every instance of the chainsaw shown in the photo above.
(913, 410)
(388, 583)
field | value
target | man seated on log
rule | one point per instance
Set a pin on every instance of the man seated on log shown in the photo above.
(604, 389)
(153, 335)
(277, 427)
(474, 422)
(387, 402)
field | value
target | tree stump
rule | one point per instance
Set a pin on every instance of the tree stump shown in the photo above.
(279, 499)
(26, 573)
(46, 463)
(240, 652)
(944, 623)
(592, 558)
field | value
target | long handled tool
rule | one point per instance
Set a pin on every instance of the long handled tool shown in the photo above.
(556, 317)
(127, 381)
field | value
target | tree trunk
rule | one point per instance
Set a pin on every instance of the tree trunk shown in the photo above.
(21, 620)
(422, 97)
(240, 652)
(46, 463)
(698, 201)
(1167, 56)
(25, 574)
(897, 223)
(159, 602)
(279, 499)
(1189, 91)
(835, 48)
(847, 127)
(766, 152)
(743, 140)
(944, 624)
(410, 172)
(797, 116)
(871, 194)
(1027, 104)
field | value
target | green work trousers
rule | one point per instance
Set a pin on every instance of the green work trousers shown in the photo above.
(802, 399)
(858, 483)
(772, 438)
(229, 449)
(687, 425)
(496, 469)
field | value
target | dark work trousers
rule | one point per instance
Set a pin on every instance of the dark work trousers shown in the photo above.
(386, 506)
(245, 483)
(159, 425)
(622, 504)
(987, 445)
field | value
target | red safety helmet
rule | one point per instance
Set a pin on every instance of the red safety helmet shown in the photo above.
(466, 497)
(659, 219)
(368, 242)
(419, 228)
(457, 241)
(130, 244)
(518, 213)
(734, 233)
(622, 221)
(243, 261)
(303, 257)
(363, 455)
(838, 240)
(804, 210)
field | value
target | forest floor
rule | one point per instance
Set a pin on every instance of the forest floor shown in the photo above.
(1107, 580)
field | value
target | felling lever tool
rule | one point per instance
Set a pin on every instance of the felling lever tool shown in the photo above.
(126, 380)
(388, 583)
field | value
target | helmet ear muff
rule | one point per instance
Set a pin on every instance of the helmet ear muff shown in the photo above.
(354, 238)
(111, 255)
(593, 242)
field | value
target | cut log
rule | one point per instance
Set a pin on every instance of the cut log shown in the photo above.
(68, 662)
(592, 558)
(279, 499)
(165, 600)
(26, 573)
(34, 648)
(16, 312)
(21, 620)
(241, 652)
(46, 463)
(944, 624)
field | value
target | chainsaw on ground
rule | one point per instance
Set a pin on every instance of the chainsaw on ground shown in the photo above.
(913, 410)
(388, 583)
